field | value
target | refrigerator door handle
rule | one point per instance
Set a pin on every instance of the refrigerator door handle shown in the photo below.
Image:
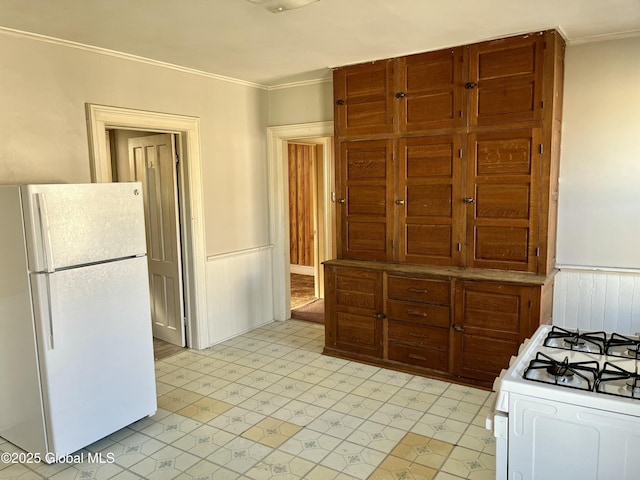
(45, 292)
(45, 232)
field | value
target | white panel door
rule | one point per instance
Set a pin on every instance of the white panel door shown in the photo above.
(70, 225)
(96, 351)
(155, 167)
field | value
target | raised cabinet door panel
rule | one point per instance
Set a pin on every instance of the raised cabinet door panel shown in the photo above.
(365, 185)
(363, 96)
(491, 320)
(503, 199)
(429, 93)
(358, 334)
(505, 80)
(431, 215)
(353, 309)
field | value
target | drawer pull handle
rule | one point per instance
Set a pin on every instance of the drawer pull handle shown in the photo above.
(380, 316)
(417, 290)
(417, 357)
(416, 313)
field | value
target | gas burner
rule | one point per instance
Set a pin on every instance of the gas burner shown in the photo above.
(615, 380)
(578, 375)
(575, 343)
(560, 372)
(625, 347)
(590, 342)
(633, 385)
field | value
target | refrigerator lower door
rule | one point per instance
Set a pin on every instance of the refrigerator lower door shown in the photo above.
(96, 351)
(81, 224)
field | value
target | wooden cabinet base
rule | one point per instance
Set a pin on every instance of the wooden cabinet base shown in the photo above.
(460, 325)
(407, 368)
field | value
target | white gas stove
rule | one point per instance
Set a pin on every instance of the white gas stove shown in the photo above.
(568, 408)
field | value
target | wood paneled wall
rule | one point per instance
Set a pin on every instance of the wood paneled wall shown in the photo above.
(301, 204)
(597, 300)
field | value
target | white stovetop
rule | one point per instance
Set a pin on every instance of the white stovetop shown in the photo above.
(512, 381)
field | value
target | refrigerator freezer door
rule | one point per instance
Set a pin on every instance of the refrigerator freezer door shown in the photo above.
(100, 378)
(81, 224)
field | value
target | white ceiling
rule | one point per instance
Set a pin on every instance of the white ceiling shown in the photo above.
(238, 39)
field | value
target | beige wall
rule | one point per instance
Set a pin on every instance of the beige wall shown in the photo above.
(301, 104)
(599, 202)
(43, 91)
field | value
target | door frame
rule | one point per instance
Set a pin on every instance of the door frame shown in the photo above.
(187, 129)
(277, 158)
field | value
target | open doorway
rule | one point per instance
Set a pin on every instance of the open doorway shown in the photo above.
(319, 133)
(101, 118)
(303, 227)
(151, 159)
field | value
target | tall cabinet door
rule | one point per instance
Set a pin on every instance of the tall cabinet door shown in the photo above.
(429, 90)
(354, 311)
(503, 199)
(431, 219)
(366, 200)
(491, 321)
(364, 99)
(505, 80)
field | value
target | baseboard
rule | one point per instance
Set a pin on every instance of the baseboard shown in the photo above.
(302, 269)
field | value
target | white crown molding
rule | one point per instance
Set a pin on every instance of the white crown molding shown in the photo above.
(603, 38)
(125, 56)
(303, 83)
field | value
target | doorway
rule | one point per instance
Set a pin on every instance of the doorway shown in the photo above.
(278, 139)
(151, 159)
(304, 158)
(100, 118)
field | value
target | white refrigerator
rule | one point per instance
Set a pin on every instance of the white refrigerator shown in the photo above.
(76, 348)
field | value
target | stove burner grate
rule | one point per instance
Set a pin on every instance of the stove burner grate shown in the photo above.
(621, 346)
(615, 380)
(593, 342)
(578, 375)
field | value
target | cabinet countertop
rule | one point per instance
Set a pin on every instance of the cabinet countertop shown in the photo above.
(457, 273)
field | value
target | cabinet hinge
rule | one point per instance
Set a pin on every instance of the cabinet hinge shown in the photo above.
(538, 252)
(393, 157)
(177, 158)
(541, 149)
(393, 244)
(460, 153)
(542, 104)
(459, 247)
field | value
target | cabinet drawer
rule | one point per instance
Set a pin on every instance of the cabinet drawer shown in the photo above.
(419, 290)
(424, 314)
(431, 337)
(419, 356)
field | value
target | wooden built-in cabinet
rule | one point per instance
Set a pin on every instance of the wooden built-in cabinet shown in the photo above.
(450, 157)
(461, 324)
(449, 160)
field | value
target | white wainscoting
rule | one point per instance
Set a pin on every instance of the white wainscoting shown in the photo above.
(239, 289)
(597, 299)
